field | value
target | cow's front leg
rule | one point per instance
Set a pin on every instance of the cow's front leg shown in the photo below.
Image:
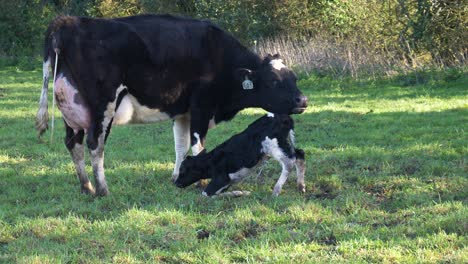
(181, 131)
(74, 144)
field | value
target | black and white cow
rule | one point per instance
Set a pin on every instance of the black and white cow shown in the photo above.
(149, 68)
(270, 136)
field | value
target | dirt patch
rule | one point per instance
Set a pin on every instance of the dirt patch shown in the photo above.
(410, 167)
(325, 190)
(252, 230)
(329, 240)
(203, 234)
(380, 191)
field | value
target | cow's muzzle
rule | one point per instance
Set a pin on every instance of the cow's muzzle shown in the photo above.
(301, 104)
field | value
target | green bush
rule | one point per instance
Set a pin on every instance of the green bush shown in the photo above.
(414, 32)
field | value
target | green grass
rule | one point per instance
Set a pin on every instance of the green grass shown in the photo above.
(386, 182)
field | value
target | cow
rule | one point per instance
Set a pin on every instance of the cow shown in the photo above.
(149, 68)
(269, 136)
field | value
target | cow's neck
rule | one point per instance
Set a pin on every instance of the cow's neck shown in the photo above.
(236, 57)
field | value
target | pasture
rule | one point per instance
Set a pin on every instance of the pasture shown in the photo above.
(386, 182)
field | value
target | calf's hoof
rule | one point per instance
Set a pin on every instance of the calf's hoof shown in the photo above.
(301, 188)
(102, 191)
(276, 192)
(202, 184)
(88, 188)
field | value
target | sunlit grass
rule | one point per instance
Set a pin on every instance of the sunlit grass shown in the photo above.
(386, 183)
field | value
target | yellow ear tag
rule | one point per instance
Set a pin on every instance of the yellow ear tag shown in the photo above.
(247, 84)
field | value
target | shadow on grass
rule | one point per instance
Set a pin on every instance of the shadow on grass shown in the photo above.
(352, 146)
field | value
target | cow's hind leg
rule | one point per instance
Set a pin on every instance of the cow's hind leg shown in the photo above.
(95, 141)
(97, 135)
(74, 144)
(300, 169)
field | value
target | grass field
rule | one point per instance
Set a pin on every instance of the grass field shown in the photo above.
(386, 183)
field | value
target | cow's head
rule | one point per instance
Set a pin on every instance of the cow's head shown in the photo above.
(190, 172)
(272, 87)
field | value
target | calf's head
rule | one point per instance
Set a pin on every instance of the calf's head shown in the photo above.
(190, 172)
(272, 87)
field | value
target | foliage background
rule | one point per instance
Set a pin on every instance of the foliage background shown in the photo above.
(413, 32)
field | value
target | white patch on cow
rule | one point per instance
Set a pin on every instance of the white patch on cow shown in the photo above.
(76, 115)
(147, 115)
(204, 194)
(97, 162)
(292, 138)
(197, 147)
(45, 69)
(42, 115)
(212, 123)
(181, 131)
(110, 109)
(222, 189)
(124, 113)
(271, 147)
(277, 64)
(131, 111)
(239, 175)
(270, 114)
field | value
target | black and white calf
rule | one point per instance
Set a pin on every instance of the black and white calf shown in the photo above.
(149, 68)
(272, 135)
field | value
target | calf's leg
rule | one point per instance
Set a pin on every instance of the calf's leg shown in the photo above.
(300, 169)
(287, 165)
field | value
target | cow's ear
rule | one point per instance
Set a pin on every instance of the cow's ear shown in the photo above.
(245, 77)
(242, 73)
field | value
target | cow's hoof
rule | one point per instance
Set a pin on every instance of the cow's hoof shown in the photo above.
(276, 191)
(201, 184)
(301, 188)
(100, 192)
(88, 188)
(174, 177)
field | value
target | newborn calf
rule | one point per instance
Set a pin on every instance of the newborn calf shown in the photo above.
(271, 135)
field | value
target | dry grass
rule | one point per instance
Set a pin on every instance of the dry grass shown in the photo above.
(340, 57)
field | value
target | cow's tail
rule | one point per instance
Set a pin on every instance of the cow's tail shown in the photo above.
(51, 52)
(42, 116)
